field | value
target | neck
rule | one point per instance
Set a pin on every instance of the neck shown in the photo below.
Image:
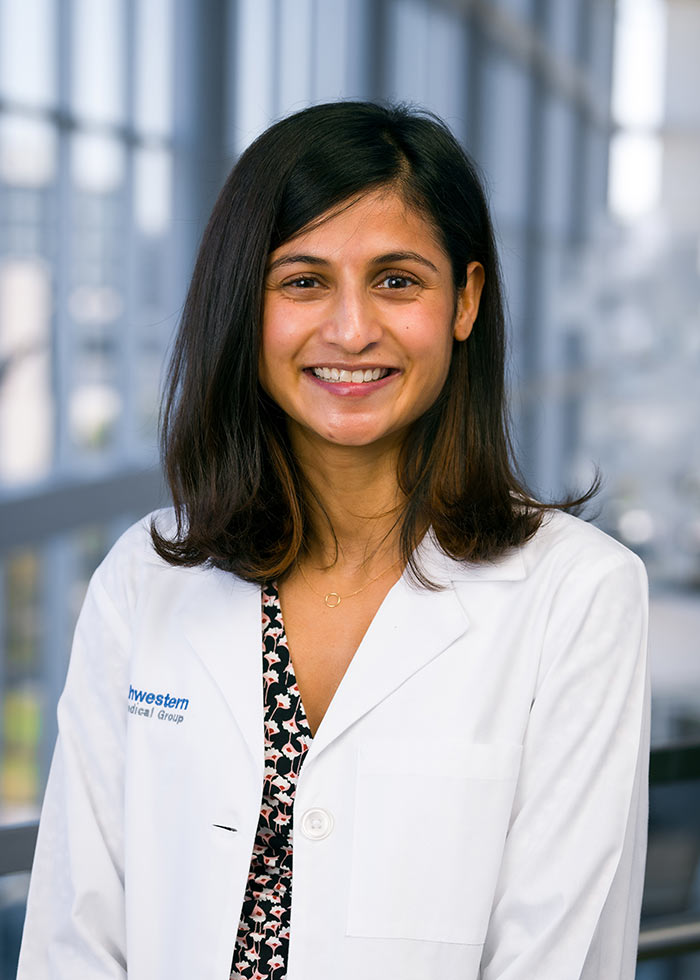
(355, 503)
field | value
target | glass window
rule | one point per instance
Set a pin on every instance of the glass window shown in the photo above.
(21, 686)
(563, 24)
(427, 53)
(87, 302)
(256, 69)
(153, 191)
(42, 591)
(506, 133)
(27, 51)
(330, 24)
(154, 66)
(26, 396)
(296, 42)
(27, 151)
(408, 53)
(557, 165)
(98, 72)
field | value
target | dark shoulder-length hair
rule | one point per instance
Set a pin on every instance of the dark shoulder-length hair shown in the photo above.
(240, 499)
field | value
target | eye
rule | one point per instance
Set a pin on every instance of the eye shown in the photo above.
(397, 280)
(302, 282)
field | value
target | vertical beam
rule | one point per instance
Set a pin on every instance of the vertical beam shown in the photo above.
(531, 337)
(127, 341)
(368, 44)
(200, 100)
(476, 53)
(62, 354)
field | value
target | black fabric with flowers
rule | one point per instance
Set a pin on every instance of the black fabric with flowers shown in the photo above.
(263, 933)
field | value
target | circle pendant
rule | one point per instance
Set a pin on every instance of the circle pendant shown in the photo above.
(332, 599)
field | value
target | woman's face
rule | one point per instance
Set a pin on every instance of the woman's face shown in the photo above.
(360, 315)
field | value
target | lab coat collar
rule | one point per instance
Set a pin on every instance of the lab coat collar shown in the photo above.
(443, 570)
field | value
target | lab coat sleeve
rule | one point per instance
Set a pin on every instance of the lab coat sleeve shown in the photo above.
(569, 894)
(75, 925)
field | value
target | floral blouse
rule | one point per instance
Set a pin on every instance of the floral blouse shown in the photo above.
(263, 933)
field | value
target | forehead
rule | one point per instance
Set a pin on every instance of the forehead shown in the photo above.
(373, 217)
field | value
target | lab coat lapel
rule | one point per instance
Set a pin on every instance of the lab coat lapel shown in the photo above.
(222, 622)
(412, 627)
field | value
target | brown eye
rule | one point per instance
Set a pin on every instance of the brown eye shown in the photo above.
(303, 282)
(397, 282)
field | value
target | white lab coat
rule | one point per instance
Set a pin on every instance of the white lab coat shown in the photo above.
(480, 776)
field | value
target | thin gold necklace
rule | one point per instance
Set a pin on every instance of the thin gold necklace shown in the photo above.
(333, 599)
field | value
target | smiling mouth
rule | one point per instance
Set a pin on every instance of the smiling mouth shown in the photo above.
(354, 377)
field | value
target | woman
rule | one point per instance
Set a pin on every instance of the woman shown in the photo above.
(445, 708)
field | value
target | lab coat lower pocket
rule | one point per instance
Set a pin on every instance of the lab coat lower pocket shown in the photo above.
(430, 824)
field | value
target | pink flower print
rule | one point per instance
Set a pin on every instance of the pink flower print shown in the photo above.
(290, 726)
(251, 955)
(265, 619)
(281, 783)
(278, 912)
(257, 914)
(271, 676)
(256, 936)
(273, 942)
(281, 819)
(289, 751)
(271, 727)
(272, 657)
(304, 741)
(294, 688)
(284, 933)
(276, 962)
(272, 754)
(263, 879)
(260, 976)
(265, 812)
(285, 798)
(282, 700)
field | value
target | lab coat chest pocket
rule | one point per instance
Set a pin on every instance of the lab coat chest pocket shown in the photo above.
(430, 824)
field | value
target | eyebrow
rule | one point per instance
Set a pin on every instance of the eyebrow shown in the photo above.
(297, 260)
(387, 258)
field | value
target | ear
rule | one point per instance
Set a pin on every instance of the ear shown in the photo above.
(468, 300)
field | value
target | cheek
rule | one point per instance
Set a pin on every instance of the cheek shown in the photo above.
(274, 345)
(432, 350)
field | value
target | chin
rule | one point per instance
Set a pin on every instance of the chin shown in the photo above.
(358, 439)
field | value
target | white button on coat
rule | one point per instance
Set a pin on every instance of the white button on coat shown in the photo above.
(316, 823)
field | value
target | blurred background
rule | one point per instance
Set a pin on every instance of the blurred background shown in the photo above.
(119, 120)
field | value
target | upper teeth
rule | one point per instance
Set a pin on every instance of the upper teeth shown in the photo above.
(335, 374)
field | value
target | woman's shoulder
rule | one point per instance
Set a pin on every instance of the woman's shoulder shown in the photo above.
(132, 570)
(565, 544)
(134, 546)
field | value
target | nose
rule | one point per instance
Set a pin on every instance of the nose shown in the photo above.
(352, 324)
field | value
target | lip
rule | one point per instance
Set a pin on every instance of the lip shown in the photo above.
(367, 366)
(351, 389)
